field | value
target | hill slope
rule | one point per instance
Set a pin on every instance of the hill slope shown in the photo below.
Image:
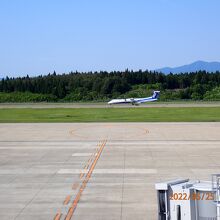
(193, 67)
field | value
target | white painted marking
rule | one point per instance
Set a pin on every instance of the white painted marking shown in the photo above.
(26, 171)
(109, 171)
(81, 154)
(72, 171)
(44, 147)
(125, 171)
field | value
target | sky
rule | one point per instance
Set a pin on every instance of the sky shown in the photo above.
(40, 36)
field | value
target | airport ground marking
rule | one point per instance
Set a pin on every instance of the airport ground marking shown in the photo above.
(91, 165)
(81, 175)
(66, 201)
(58, 215)
(90, 159)
(84, 183)
(72, 132)
(146, 130)
(86, 168)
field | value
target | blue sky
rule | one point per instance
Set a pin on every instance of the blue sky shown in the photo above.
(40, 36)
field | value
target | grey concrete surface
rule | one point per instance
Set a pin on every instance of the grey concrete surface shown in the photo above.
(42, 164)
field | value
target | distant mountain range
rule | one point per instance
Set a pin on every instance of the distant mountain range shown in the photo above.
(193, 67)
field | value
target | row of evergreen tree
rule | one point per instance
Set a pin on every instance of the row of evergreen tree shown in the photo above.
(77, 86)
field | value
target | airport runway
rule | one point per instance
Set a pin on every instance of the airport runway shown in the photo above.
(99, 171)
(105, 105)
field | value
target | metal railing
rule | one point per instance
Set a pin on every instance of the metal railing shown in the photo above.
(216, 189)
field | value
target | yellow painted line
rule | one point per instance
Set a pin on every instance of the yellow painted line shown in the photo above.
(84, 183)
(66, 201)
(72, 132)
(81, 175)
(146, 131)
(58, 216)
(90, 160)
(84, 171)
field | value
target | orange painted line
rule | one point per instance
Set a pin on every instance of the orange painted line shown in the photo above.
(87, 166)
(81, 175)
(84, 183)
(58, 216)
(70, 213)
(88, 163)
(72, 132)
(84, 170)
(95, 161)
(66, 201)
(146, 130)
(91, 158)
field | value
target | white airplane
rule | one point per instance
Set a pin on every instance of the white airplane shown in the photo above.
(136, 101)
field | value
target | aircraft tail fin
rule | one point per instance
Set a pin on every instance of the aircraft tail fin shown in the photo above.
(156, 95)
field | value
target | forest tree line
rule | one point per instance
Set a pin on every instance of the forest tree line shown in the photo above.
(100, 86)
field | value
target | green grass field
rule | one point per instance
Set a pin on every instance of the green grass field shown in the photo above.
(168, 114)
